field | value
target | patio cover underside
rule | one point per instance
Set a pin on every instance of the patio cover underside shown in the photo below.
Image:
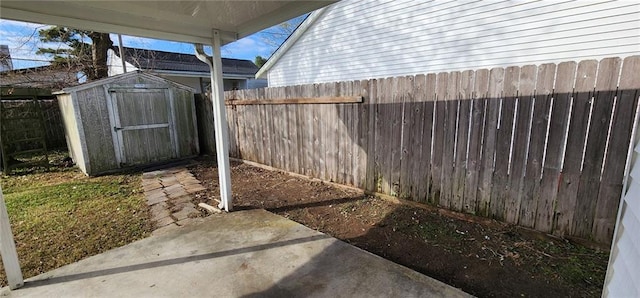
(186, 21)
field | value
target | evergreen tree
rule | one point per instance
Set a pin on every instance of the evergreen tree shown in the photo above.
(86, 50)
(259, 61)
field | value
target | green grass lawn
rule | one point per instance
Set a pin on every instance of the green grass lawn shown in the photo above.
(61, 216)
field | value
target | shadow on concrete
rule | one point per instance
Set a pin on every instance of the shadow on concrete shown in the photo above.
(342, 270)
(175, 261)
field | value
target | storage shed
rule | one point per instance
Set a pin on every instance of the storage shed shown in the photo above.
(128, 120)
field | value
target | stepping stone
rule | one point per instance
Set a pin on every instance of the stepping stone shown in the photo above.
(169, 181)
(185, 212)
(159, 211)
(154, 192)
(151, 186)
(182, 200)
(192, 188)
(177, 193)
(153, 174)
(153, 200)
(164, 221)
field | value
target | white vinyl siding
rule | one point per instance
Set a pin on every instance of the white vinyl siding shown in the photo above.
(361, 39)
(623, 275)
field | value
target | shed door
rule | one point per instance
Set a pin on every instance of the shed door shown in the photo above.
(143, 125)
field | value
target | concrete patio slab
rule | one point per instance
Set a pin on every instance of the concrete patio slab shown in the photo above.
(251, 253)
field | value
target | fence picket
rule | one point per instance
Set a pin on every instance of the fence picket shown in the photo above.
(607, 80)
(340, 125)
(558, 125)
(318, 153)
(613, 172)
(438, 138)
(408, 152)
(568, 190)
(354, 135)
(362, 113)
(500, 188)
(496, 83)
(382, 166)
(465, 92)
(450, 125)
(420, 163)
(539, 124)
(480, 89)
(396, 133)
(522, 128)
(372, 134)
(425, 179)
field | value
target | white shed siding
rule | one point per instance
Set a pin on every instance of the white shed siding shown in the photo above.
(359, 39)
(623, 275)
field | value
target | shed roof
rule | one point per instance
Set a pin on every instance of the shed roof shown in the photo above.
(170, 61)
(116, 78)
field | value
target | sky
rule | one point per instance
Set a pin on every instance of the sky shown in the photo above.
(23, 42)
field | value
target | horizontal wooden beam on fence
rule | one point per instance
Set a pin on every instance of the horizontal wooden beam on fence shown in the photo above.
(298, 100)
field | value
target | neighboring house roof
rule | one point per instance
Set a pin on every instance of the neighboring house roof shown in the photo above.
(53, 77)
(161, 61)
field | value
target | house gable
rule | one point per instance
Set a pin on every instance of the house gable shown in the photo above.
(358, 39)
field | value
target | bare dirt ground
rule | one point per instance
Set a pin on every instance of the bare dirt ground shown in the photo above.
(482, 257)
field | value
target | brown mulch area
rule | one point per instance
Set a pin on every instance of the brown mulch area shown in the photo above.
(482, 257)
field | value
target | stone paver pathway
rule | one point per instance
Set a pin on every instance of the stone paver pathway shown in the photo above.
(169, 193)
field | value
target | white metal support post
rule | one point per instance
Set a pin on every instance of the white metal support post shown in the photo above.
(219, 119)
(220, 124)
(8, 249)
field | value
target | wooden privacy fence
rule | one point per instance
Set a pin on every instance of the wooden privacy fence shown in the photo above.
(542, 146)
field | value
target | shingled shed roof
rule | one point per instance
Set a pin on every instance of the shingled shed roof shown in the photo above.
(169, 61)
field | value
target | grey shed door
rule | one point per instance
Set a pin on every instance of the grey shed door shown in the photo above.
(143, 125)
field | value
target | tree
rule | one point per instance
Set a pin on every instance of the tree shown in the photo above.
(259, 61)
(84, 49)
(276, 35)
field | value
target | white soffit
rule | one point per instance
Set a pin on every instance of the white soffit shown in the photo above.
(185, 20)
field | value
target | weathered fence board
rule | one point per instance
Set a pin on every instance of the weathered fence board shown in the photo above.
(424, 168)
(500, 188)
(613, 173)
(465, 91)
(381, 136)
(480, 89)
(408, 149)
(558, 124)
(371, 107)
(522, 128)
(492, 109)
(449, 142)
(418, 164)
(539, 146)
(539, 124)
(396, 133)
(362, 113)
(608, 73)
(568, 189)
(438, 138)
